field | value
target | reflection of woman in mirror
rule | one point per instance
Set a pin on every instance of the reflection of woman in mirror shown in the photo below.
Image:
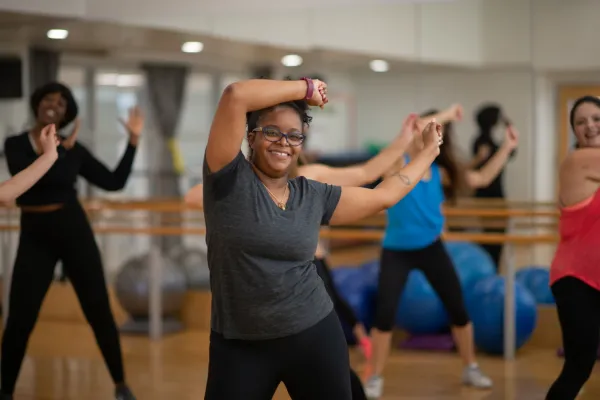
(484, 148)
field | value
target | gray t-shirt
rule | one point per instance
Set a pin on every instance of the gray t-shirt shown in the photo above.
(263, 280)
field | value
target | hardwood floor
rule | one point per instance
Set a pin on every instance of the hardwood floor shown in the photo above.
(64, 363)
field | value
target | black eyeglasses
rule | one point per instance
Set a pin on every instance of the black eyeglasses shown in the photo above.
(273, 134)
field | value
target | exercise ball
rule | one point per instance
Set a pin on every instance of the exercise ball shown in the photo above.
(194, 263)
(370, 275)
(471, 262)
(132, 287)
(485, 303)
(420, 311)
(349, 285)
(537, 280)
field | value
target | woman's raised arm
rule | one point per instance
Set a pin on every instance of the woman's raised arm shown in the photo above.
(229, 124)
(357, 203)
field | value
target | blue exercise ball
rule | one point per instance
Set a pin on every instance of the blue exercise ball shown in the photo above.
(370, 273)
(485, 304)
(350, 285)
(420, 311)
(471, 262)
(537, 280)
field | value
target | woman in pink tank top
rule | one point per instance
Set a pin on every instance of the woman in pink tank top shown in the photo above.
(575, 270)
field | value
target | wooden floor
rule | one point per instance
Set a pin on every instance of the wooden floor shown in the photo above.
(63, 363)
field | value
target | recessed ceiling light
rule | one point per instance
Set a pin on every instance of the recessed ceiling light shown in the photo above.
(57, 34)
(379, 66)
(291, 60)
(192, 47)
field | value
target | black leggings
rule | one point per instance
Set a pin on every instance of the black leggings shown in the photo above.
(437, 266)
(312, 364)
(45, 238)
(578, 308)
(342, 308)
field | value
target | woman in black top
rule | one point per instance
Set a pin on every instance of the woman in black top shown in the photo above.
(55, 227)
(484, 148)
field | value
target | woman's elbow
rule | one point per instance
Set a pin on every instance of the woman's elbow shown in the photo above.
(476, 181)
(233, 93)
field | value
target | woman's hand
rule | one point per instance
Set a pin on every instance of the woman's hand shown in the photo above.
(407, 131)
(457, 112)
(319, 95)
(134, 124)
(49, 140)
(432, 137)
(511, 137)
(69, 142)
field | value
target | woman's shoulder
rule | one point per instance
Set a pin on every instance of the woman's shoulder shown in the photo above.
(18, 139)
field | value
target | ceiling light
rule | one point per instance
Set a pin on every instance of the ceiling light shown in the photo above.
(379, 66)
(291, 60)
(192, 47)
(57, 34)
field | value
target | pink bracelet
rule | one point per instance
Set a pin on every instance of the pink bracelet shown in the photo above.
(310, 88)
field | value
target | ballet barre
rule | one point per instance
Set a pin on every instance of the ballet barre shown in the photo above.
(154, 217)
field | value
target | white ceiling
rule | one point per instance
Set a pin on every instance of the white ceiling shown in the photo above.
(109, 43)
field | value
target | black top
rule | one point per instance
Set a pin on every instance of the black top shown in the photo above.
(496, 187)
(58, 185)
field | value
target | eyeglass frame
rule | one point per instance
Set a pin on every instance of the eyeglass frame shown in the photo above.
(281, 135)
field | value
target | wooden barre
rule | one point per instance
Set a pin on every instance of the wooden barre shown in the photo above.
(329, 233)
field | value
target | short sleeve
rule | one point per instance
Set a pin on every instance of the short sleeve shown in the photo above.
(329, 196)
(221, 182)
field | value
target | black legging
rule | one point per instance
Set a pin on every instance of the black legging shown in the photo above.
(45, 238)
(437, 266)
(578, 308)
(312, 364)
(342, 308)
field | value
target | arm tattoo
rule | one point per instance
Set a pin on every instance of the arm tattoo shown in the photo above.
(405, 179)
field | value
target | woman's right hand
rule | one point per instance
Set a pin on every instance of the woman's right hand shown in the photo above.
(432, 137)
(319, 95)
(407, 131)
(49, 140)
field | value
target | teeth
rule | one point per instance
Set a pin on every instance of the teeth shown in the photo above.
(50, 113)
(279, 153)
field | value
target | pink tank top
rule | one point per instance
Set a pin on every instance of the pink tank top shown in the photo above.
(578, 252)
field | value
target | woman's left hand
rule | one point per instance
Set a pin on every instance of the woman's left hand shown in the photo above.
(69, 142)
(511, 137)
(134, 124)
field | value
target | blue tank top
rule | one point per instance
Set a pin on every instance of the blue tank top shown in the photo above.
(417, 220)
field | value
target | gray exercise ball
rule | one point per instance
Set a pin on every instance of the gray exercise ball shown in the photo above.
(194, 263)
(132, 287)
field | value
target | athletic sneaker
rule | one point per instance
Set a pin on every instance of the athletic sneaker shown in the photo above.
(374, 387)
(123, 393)
(473, 376)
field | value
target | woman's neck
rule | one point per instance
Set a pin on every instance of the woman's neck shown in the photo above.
(270, 182)
(36, 131)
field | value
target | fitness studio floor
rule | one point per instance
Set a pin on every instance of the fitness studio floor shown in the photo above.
(64, 363)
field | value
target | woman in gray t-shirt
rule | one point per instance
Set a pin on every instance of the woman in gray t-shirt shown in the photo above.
(272, 319)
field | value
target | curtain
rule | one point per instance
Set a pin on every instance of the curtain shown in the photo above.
(43, 67)
(166, 88)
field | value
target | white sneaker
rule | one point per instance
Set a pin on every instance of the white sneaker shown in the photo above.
(473, 376)
(374, 387)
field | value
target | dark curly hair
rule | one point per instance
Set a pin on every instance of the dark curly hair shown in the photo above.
(301, 107)
(55, 87)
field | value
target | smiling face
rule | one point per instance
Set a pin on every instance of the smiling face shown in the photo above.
(272, 156)
(51, 109)
(586, 124)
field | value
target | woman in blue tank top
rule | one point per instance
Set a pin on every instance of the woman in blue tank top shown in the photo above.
(413, 240)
